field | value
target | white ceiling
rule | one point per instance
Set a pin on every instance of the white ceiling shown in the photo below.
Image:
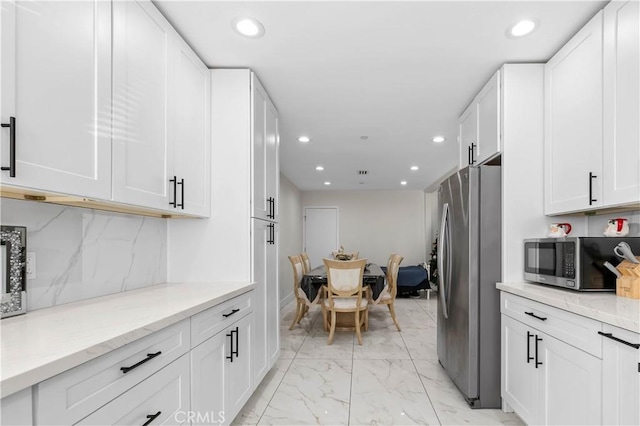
(397, 72)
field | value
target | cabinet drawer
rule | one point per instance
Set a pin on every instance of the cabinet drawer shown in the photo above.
(74, 394)
(208, 323)
(160, 399)
(573, 329)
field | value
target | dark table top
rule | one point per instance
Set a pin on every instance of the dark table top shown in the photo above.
(317, 277)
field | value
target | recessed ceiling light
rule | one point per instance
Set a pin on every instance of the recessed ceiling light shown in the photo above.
(522, 28)
(438, 139)
(248, 27)
(404, 182)
(327, 183)
(414, 168)
(319, 168)
(304, 139)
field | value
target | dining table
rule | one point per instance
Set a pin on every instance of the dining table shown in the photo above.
(313, 281)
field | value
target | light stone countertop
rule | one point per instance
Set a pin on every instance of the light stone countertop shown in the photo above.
(46, 342)
(605, 307)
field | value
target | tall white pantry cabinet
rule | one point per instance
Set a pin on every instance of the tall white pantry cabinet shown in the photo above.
(239, 242)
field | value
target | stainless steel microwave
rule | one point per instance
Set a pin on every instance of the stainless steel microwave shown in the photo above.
(574, 262)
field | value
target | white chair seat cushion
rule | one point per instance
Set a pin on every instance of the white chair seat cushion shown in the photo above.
(346, 303)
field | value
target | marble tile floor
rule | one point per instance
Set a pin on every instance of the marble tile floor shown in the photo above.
(394, 378)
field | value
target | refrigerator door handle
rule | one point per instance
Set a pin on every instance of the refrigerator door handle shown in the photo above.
(442, 272)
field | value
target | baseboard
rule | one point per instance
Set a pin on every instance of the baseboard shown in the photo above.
(286, 300)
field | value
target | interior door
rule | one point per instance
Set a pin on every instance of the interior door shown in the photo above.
(320, 233)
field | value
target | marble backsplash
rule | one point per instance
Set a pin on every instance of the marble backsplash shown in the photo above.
(84, 253)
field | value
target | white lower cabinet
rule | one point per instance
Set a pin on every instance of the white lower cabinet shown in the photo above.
(16, 409)
(76, 393)
(570, 389)
(221, 370)
(546, 380)
(162, 399)
(620, 376)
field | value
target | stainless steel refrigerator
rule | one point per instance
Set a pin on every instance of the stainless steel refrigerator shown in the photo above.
(469, 263)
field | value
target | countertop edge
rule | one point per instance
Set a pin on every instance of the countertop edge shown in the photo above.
(604, 307)
(45, 370)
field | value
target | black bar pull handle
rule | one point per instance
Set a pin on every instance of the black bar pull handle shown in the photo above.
(231, 313)
(529, 357)
(531, 314)
(151, 418)
(591, 178)
(272, 208)
(230, 335)
(624, 342)
(12, 147)
(469, 155)
(272, 235)
(538, 339)
(138, 364)
(181, 183)
(473, 146)
(237, 334)
(174, 203)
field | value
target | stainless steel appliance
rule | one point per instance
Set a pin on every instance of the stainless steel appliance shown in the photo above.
(469, 261)
(577, 263)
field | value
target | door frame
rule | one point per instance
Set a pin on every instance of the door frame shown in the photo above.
(304, 223)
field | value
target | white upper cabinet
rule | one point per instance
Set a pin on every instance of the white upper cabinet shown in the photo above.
(141, 97)
(120, 112)
(480, 125)
(468, 134)
(573, 123)
(265, 153)
(592, 131)
(621, 153)
(190, 132)
(488, 102)
(56, 83)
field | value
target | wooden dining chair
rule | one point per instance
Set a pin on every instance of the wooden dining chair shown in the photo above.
(302, 301)
(344, 293)
(306, 263)
(388, 295)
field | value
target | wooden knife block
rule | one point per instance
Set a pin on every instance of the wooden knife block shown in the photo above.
(628, 285)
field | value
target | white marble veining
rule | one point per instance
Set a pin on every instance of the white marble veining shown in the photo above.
(48, 341)
(84, 253)
(606, 307)
(314, 391)
(389, 392)
(321, 386)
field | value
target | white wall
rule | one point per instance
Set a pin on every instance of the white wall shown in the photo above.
(378, 223)
(290, 236)
(432, 219)
(84, 253)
